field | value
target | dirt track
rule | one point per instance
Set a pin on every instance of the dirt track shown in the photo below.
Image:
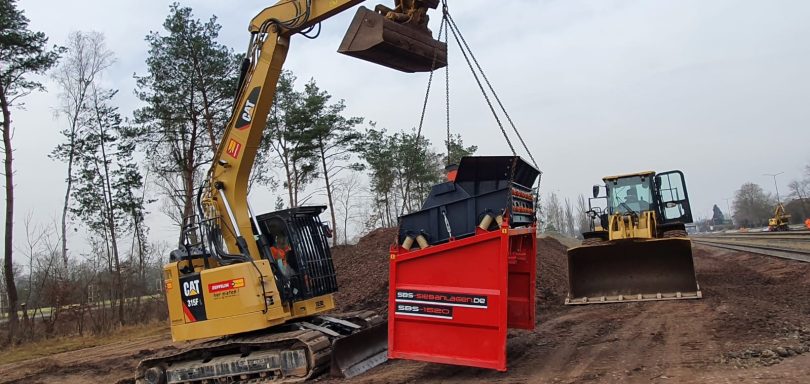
(754, 309)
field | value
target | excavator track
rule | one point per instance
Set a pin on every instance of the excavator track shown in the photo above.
(300, 351)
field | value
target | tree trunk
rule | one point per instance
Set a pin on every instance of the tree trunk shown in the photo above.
(73, 128)
(112, 227)
(8, 264)
(346, 218)
(67, 201)
(329, 194)
(289, 185)
(188, 200)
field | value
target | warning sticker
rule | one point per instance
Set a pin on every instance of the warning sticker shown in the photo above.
(234, 147)
(226, 285)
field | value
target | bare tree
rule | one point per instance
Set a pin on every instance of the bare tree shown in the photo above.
(800, 190)
(554, 214)
(583, 221)
(569, 219)
(347, 204)
(87, 56)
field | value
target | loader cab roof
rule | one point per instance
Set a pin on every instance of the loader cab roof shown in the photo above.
(614, 178)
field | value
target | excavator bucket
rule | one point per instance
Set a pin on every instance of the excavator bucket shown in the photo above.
(632, 270)
(359, 352)
(373, 38)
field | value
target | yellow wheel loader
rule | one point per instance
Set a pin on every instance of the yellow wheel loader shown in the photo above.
(640, 249)
(260, 287)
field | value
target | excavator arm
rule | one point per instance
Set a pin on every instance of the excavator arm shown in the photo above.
(400, 45)
(270, 32)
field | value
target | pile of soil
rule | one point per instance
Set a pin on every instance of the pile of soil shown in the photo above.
(362, 272)
(552, 274)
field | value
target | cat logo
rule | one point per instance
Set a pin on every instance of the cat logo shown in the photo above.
(234, 147)
(191, 288)
(246, 114)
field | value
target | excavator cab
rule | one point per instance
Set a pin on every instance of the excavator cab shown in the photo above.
(640, 251)
(396, 38)
(301, 259)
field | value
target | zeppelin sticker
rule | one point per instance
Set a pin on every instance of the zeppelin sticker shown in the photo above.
(226, 285)
(450, 299)
(425, 310)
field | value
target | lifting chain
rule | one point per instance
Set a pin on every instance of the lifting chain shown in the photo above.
(448, 25)
(442, 29)
(470, 58)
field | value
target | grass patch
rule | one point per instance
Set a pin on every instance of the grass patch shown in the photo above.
(53, 346)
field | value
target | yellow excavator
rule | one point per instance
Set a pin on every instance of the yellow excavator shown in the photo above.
(260, 286)
(640, 249)
(780, 220)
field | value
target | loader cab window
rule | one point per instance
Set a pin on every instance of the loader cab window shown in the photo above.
(630, 194)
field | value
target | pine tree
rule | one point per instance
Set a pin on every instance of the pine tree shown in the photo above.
(188, 93)
(333, 136)
(22, 53)
(106, 196)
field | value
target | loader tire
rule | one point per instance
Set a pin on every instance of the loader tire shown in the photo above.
(675, 233)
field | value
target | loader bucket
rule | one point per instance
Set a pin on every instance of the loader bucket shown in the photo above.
(359, 352)
(632, 270)
(373, 38)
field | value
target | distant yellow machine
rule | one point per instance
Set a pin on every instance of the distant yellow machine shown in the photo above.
(780, 220)
(640, 249)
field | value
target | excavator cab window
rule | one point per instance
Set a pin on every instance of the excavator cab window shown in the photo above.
(673, 197)
(284, 259)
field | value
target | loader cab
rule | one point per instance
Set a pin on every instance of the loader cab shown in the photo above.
(664, 193)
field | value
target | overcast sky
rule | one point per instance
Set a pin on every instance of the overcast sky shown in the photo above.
(718, 89)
